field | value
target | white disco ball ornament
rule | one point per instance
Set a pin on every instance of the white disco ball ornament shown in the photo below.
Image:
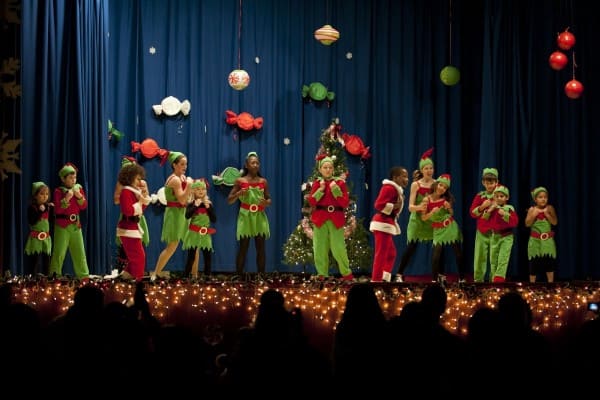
(239, 79)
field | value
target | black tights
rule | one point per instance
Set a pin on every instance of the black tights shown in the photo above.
(240, 260)
(206, 254)
(37, 263)
(436, 260)
(408, 253)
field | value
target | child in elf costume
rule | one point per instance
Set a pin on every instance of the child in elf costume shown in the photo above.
(541, 248)
(502, 219)
(177, 192)
(201, 214)
(252, 190)
(446, 232)
(384, 224)
(38, 247)
(328, 198)
(417, 230)
(481, 202)
(69, 200)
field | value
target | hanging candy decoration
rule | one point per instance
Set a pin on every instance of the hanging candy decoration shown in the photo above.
(239, 78)
(558, 60)
(574, 89)
(113, 132)
(565, 40)
(327, 34)
(244, 121)
(450, 75)
(150, 149)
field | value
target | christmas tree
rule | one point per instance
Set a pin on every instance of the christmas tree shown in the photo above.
(298, 249)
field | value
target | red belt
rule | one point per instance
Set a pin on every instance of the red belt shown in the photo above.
(203, 230)
(442, 224)
(175, 204)
(542, 236)
(40, 235)
(252, 207)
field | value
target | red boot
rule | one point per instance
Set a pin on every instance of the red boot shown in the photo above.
(498, 279)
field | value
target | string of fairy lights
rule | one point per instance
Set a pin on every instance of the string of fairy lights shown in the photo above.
(322, 303)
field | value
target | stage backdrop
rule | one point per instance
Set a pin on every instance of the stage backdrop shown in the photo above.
(85, 62)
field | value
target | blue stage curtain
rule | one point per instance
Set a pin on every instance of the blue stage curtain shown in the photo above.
(85, 62)
(64, 92)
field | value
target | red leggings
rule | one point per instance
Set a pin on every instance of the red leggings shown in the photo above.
(136, 256)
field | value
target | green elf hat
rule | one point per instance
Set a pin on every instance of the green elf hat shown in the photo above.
(489, 173)
(537, 191)
(445, 179)
(36, 186)
(502, 189)
(425, 158)
(174, 155)
(200, 183)
(127, 160)
(67, 169)
(323, 158)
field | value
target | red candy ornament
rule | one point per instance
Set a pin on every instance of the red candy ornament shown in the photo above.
(573, 89)
(565, 40)
(558, 60)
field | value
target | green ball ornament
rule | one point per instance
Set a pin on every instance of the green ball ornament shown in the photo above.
(450, 75)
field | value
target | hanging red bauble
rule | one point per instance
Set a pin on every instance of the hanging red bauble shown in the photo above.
(558, 60)
(565, 40)
(573, 89)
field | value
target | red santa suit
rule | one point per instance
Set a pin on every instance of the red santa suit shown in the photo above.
(384, 226)
(132, 205)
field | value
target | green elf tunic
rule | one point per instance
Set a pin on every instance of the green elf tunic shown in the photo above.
(445, 228)
(252, 219)
(198, 236)
(541, 240)
(39, 240)
(417, 229)
(175, 224)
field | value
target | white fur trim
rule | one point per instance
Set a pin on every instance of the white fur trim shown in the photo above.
(392, 229)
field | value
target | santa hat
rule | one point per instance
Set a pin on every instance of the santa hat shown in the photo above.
(445, 179)
(36, 186)
(537, 191)
(425, 160)
(67, 169)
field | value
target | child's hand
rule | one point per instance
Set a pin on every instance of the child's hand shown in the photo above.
(69, 195)
(322, 185)
(197, 202)
(486, 204)
(42, 208)
(207, 203)
(447, 205)
(333, 185)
